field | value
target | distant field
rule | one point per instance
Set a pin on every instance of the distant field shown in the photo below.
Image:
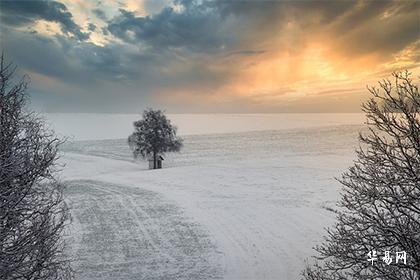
(246, 205)
(117, 126)
(211, 148)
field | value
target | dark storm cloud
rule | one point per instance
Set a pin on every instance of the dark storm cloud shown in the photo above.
(196, 29)
(19, 13)
(100, 14)
(272, 12)
(86, 65)
(378, 27)
(91, 27)
(359, 14)
(104, 31)
(77, 63)
(85, 76)
(48, 56)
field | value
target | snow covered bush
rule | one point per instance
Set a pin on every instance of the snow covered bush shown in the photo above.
(32, 210)
(377, 235)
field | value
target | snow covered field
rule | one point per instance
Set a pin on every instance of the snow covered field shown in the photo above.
(244, 205)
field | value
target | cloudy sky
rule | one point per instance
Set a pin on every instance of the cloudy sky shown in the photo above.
(208, 56)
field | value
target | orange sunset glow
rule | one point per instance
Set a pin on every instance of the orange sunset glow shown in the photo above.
(212, 56)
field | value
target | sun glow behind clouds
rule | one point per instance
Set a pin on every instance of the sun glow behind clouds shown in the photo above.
(211, 56)
(280, 78)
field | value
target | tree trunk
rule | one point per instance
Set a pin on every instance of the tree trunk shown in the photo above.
(154, 160)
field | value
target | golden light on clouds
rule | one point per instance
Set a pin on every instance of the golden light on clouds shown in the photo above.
(220, 55)
(47, 28)
(279, 77)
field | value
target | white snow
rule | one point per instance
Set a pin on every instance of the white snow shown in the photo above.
(246, 205)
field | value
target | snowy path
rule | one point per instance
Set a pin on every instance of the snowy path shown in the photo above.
(257, 202)
(129, 233)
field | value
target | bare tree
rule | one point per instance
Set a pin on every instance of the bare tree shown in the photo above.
(380, 204)
(32, 210)
(154, 135)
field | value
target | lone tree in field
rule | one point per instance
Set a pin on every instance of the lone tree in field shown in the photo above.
(153, 136)
(380, 206)
(32, 211)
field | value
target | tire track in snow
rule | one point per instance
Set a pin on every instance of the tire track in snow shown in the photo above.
(129, 233)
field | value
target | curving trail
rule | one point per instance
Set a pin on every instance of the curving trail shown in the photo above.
(129, 233)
